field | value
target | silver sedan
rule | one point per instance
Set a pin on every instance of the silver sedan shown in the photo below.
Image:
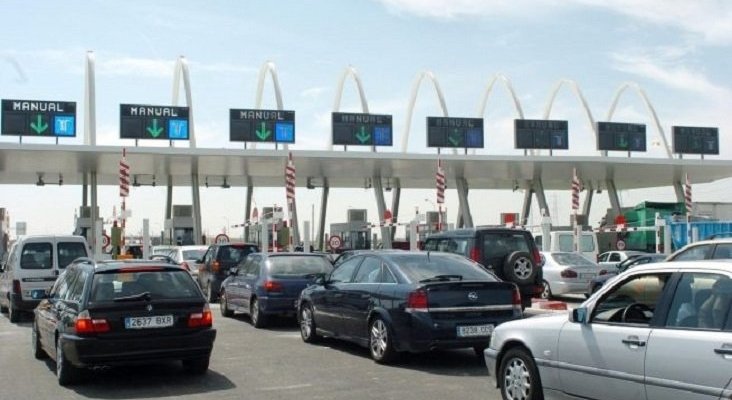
(567, 273)
(660, 331)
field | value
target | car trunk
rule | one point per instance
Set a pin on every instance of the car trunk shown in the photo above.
(467, 298)
(292, 286)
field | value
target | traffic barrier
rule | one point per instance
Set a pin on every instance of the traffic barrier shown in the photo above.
(543, 304)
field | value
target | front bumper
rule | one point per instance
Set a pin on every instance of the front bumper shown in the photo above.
(94, 351)
(491, 355)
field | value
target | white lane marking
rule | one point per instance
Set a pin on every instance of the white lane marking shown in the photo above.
(269, 389)
(288, 335)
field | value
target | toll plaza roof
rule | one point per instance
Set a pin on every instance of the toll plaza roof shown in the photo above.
(24, 163)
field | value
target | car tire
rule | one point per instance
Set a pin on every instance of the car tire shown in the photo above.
(381, 344)
(518, 377)
(38, 351)
(547, 292)
(210, 294)
(259, 320)
(520, 269)
(13, 314)
(224, 305)
(307, 324)
(66, 373)
(196, 366)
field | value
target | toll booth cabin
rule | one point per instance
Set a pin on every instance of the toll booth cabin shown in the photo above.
(356, 233)
(179, 229)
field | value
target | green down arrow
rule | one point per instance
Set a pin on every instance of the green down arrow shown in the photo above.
(39, 126)
(362, 135)
(454, 138)
(263, 133)
(622, 142)
(155, 130)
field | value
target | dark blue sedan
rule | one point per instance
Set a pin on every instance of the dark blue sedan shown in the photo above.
(395, 302)
(268, 284)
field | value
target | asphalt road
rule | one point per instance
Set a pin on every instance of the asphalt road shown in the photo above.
(249, 363)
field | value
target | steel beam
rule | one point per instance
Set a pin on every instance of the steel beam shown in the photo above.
(323, 209)
(462, 189)
(395, 198)
(195, 188)
(612, 194)
(541, 196)
(248, 210)
(381, 206)
(526, 207)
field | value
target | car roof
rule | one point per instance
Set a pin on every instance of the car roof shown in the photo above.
(113, 265)
(467, 232)
(710, 241)
(723, 265)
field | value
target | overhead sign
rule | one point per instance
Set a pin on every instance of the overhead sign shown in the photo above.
(153, 122)
(695, 140)
(541, 134)
(455, 132)
(275, 126)
(353, 129)
(39, 118)
(620, 136)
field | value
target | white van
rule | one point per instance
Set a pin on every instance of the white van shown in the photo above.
(564, 241)
(32, 266)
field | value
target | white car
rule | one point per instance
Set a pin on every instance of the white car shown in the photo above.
(614, 257)
(567, 273)
(186, 256)
(657, 332)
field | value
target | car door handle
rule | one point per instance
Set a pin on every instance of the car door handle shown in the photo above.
(725, 351)
(634, 342)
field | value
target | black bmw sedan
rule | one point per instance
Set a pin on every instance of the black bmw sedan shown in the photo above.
(393, 302)
(116, 313)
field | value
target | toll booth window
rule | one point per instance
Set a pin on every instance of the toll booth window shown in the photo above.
(36, 256)
(69, 251)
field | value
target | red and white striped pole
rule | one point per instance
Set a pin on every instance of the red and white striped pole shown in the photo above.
(688, 204)
(575, 206)
(124, 191)
(290, 174)
(441, 184)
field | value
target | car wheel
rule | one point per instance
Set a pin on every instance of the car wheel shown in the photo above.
(546, 293)
(38, 351)
(519, 268)
(225, 306)
(255, 314)
(210, 294)
(307, 324)
(66, 373)
(13, 314)
(196, 366)
(381, 345)
(518, 376)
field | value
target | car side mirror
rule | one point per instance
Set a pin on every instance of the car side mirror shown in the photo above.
(579, 315)
(233, 271)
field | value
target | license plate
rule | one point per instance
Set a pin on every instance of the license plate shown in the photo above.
(155, 321)
(587, 276)
(38, 294)
(475, 330)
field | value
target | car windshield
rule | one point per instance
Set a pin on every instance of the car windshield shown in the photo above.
(427, 266)
(572, 259)
(159, 284)
(69, 251)
(297, 266)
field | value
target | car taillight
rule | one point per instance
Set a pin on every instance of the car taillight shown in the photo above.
(85, 325)
(417, 301)
(16, 286)
(272, 286)
(201, 320)
(568, 273)
(536, 255)
(215, 266)
(603, 272)
(474, 254)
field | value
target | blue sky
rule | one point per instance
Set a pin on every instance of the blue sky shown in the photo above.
(677, 51)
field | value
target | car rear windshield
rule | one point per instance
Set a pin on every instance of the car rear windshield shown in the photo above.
(294, 266)
(235, 254)
(502, 244)
(572, 260)
(455, 245)
(423, 266)
(162, 284)
(193, 254)
(36, 256)
(70, 251)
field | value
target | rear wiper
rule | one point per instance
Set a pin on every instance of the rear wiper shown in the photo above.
(441, 278)
(140, 296)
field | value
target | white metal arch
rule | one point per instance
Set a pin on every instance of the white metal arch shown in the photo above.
(352, 72)
(487, 93)
(580, 97)
(649, 107)
(90, 102)
(270, 67)
(413, 99)
(181, 70)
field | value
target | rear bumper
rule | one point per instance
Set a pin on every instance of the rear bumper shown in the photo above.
(426, 333)
(279, 305)
(92, 351)
(18, 303)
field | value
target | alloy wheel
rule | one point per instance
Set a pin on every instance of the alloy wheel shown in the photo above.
(379, 338)
(306, 322)
(517, 380)
(522, 268)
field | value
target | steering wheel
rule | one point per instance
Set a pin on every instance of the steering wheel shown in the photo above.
(636, 313)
